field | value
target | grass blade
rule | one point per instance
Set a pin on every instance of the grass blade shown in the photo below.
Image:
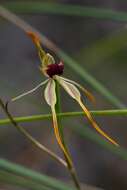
(84, 132)
(10, 179)
(117, 112)
(34, 176)
(69, 10)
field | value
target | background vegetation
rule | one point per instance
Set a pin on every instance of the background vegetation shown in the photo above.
(91, 37)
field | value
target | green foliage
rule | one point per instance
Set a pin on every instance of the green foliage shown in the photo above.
(117, 112)
(11, 173)
(69, 10)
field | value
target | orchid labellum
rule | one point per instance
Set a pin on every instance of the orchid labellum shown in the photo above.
(53, 72)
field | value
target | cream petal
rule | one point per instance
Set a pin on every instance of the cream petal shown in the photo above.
(50, 93)
(69, 88)
(87, 93)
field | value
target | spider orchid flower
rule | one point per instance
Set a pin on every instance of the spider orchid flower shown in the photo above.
(53, 72)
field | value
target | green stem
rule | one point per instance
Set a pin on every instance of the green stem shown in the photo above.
(115, 112)
(29, 137)
(14, 180)
(70, 165)
(36, 177)
(69, 10)
(58, 110)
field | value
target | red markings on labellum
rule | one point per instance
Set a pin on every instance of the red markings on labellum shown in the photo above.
(55, 69)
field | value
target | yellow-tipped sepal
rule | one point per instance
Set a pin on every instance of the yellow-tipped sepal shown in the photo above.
(95, 125)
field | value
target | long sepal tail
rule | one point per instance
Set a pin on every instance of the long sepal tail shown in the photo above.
(95, 125)
(58, 137)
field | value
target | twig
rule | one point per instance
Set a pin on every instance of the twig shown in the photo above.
(29, 137)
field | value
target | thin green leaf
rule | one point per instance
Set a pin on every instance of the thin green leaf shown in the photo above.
(34, 176)
(117, 112)
(58, 110)
(69, 10)
(10, 179)
(84, 132)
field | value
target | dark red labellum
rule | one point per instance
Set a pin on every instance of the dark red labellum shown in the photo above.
(55, 69)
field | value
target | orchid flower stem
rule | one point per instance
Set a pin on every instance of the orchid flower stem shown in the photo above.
(58, 110)
(70, 165)
(29, 137)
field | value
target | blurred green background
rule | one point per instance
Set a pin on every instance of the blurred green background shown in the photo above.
(99, 46)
